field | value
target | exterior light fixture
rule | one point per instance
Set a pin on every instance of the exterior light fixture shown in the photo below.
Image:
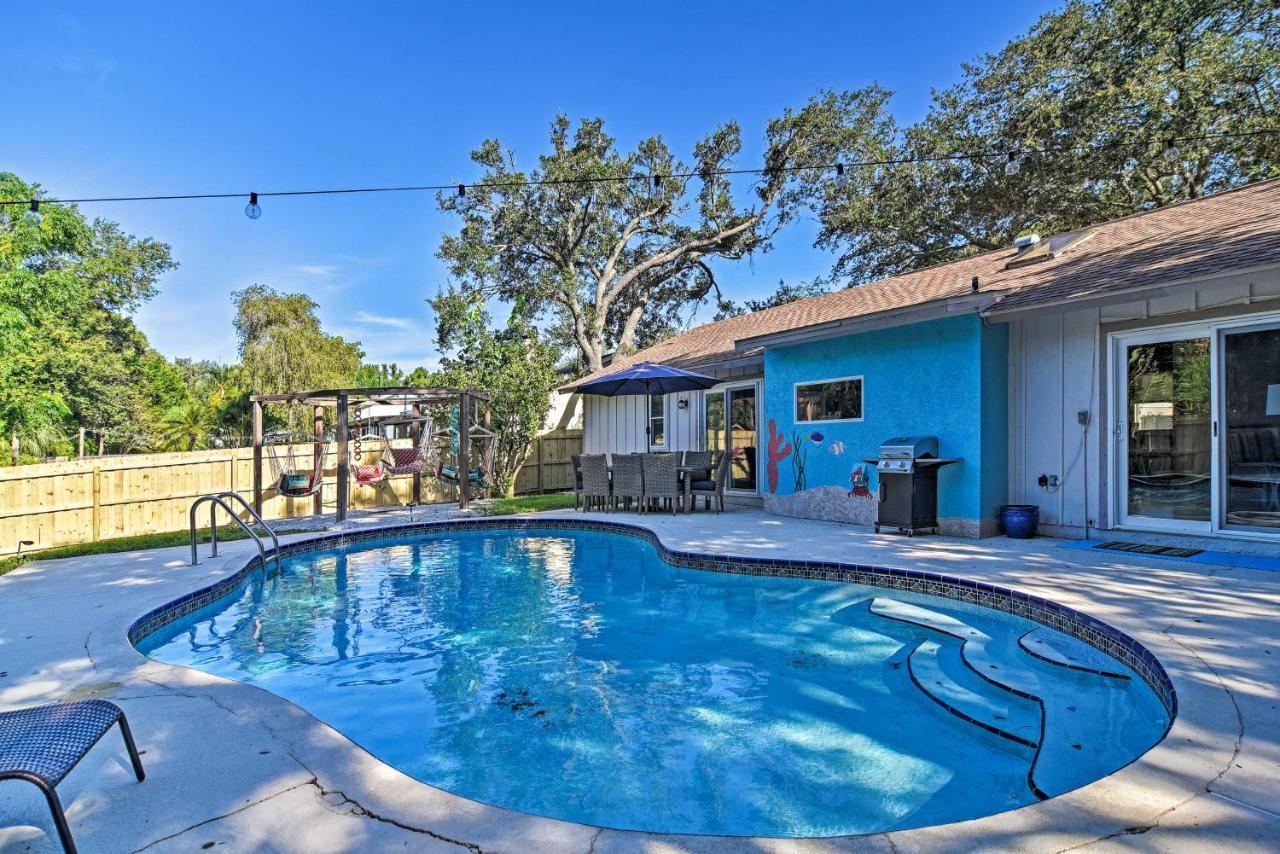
(32, 214)
(251, 210)
(682, 403)
(1012, 166)
(22, 543)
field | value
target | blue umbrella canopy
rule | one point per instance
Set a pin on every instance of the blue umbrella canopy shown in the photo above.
(647, 378)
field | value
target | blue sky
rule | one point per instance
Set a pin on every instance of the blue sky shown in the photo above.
(142, 98)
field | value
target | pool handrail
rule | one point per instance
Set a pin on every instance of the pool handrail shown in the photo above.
(219, 500)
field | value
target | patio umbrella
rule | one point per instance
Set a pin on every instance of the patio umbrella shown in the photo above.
(647, 379)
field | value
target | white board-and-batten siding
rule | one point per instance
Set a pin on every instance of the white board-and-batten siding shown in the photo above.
(1058, 367)
(617, 424)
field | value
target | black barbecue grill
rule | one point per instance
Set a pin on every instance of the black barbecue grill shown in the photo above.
(908, 495)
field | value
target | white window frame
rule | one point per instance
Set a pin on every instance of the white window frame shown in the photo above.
(862, 394)
(649, 422)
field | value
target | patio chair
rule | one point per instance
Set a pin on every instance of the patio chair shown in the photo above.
(43, 743)
(713, 487)
(662, 479)
(628, 479)
(700, 460)
(576, 460)
(595, 481)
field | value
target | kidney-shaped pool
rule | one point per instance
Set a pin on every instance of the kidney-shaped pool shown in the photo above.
(577, 674)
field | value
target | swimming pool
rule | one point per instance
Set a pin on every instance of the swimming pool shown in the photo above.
(578, 673)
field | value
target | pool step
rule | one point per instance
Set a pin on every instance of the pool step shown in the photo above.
(1065, 651)
(939, 672)
(904, 612)
(1042, 690)
(996, 660)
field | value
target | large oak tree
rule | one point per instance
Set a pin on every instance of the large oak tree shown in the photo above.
(607, 262)
(1111, 83)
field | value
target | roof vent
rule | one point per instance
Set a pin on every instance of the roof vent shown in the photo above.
(1032, 250)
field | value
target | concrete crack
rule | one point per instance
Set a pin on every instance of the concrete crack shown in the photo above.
(358, 809)
(1235, 752)
(240, 809)
(594, 837)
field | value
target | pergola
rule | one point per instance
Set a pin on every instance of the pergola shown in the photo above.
(342, 399)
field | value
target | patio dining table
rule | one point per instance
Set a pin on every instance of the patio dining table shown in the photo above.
(685, 473)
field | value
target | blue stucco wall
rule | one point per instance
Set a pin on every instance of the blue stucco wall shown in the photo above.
(944, 377)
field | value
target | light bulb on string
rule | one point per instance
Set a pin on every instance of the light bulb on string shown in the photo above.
(841, 178)
(251, 210)
(1012, 166)
(32, 215)
(1170, 149)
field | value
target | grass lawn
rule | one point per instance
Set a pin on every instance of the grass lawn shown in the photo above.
(529, 504)
(123, 544)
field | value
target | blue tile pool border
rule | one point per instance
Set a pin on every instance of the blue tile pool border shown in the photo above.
(1099, 635)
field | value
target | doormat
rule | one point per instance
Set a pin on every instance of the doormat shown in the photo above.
(1149, 549)
(1236, 560)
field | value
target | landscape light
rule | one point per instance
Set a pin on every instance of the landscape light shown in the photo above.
(32, 214)
(251, 210)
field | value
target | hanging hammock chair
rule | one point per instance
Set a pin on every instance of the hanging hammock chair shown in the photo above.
(395, 462)
(478, 476)
(367, 474)
(293, 474)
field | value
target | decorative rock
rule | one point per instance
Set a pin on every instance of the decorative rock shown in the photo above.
(827, 503)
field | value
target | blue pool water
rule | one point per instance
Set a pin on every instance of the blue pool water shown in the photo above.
(576, 675)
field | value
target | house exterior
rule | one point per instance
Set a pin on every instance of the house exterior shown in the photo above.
(1124, 378)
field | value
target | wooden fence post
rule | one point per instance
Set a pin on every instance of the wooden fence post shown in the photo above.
(96, 486)
(538, 456)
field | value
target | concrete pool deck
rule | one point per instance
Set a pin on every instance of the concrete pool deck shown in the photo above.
(231, 767)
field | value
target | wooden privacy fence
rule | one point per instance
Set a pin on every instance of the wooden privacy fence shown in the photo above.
(100, 498)
(548, 468)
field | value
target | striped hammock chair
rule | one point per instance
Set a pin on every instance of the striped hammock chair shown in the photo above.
(292, 477)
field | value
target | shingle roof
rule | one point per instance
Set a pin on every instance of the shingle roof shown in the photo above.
(1232, 230)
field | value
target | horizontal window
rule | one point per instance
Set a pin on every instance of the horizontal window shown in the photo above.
(830, 400)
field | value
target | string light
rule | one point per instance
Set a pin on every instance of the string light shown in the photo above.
(32, 216)
(1170, 149)
(1012, 166)
(841, 178)
(462, 190)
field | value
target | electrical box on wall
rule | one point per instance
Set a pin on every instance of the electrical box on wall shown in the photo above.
(1082, 418)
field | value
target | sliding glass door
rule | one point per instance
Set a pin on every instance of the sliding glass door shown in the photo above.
(1251, 427)
(731, 419)
(1165, 432)
(1196, 427)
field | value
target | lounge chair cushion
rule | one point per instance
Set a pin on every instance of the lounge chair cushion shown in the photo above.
(703, 485)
